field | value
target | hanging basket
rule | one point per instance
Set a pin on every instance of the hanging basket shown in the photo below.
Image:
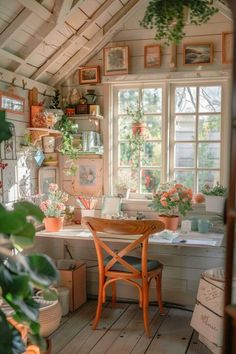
(138, 128)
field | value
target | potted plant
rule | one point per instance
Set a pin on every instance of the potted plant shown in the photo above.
(137, 117)
(214, 197)
(169, 17)
(20, 274)
(170, 201)
(53, 207)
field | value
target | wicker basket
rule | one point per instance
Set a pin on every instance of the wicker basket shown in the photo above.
(49, 315)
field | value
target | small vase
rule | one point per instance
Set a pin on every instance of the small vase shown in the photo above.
(53, 224)
(171, 222)
(48, 143)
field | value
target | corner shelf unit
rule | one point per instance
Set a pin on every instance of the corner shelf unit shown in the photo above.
(37, 133)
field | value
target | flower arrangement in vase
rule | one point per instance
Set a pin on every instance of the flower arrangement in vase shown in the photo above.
(53, 208)
(171, 200)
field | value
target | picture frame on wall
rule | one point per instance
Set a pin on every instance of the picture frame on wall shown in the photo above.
(227, 47)
(12, 103)
(197, 54)
(89, 75)
(152, 56)
(47, 175)
(116, 60)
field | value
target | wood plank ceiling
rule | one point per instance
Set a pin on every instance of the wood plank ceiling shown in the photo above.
(47, 40)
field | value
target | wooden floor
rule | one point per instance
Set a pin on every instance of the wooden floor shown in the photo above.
(121, 331)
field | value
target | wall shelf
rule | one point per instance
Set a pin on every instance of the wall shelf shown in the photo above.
(85, 116)
(37, 133)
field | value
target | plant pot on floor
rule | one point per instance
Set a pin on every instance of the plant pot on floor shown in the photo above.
(171, 222)
(53, 224)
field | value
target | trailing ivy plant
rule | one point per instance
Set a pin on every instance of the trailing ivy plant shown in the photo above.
(20, 274)
(168, 16)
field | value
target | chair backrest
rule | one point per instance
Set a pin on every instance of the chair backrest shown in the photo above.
(113, 228)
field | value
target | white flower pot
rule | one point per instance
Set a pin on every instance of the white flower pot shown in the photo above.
(215, 204)
(48, 143)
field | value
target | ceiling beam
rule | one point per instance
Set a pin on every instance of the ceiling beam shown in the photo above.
(48, 30)
(72, 39)
(37, 9)
(65, 9)
(8, 76)
(94, 45)
(9, 31)
(224, 9)
(11, 56)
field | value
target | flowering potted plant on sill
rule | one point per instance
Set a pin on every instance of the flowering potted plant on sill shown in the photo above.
(53, 208)
(171, 200)
(214, 198)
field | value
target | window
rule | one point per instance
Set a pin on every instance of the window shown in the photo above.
(196, 135)
(182, 138)
(139, 158)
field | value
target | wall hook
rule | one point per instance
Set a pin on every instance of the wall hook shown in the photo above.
(13, 81)
(24, 83)
(44, 92)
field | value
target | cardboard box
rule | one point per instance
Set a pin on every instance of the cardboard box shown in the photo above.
(211, 296)
(208, 324)
(211, 346)
(75, 280)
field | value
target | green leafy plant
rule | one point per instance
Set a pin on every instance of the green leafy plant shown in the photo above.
(54, 205)
(20, 274)
(172, 199)
(68, 129)
(137, 115)
(217, 190)
(168, 16)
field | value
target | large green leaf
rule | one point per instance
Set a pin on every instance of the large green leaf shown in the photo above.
(10, 340)
(30, 209)
(5, 131)
(27, 309)
(25, 237)
(12, 221)
(42, 271)
(14, 286)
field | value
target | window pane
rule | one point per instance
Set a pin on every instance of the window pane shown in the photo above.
(209, 155)
(185, 177)
(124, 154)
(210, 99)
(127, 98)
(124, 127)
(185, 127)
(184, 155)
(129, 177)
(152, 100)
(209, 127)
(150, 180)
(185, 99)
(209, 177)
(153, 127)
(151, 155)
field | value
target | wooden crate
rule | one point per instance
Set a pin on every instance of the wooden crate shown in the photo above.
(211, 296)
(75, 280)
(208, 324)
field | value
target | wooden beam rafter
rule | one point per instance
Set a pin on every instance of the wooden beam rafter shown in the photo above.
(37, 9)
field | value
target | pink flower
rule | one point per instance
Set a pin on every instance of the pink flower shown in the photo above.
(43, 206)
(53, 187)
(164, 203)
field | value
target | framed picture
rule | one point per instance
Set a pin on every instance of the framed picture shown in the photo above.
(47, 175)
(227, 47)
(152, 56)
(116, 60)
(12, 103)
(89, 75)
(198, 54)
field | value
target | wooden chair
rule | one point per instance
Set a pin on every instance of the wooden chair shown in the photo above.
(120, 266)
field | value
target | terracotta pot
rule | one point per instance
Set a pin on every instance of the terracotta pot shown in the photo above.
(138, 128)
(171, 222)
(53, 224)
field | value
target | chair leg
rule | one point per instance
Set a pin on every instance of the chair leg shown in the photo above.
(113, 289)
(158, 289)
(145, 307)
(100, 301)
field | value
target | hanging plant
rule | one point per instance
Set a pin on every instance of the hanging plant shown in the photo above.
(168, 16)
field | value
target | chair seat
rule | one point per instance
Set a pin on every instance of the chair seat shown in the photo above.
(134, 261)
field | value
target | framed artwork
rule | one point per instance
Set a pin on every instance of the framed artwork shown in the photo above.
(152, 56)
(116, 60)
(197, 54)
(47, 175)
(89, 177)
(227, 47)
(12, 103)
(89, 75)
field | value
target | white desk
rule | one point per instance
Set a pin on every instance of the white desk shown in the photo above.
(192, 239)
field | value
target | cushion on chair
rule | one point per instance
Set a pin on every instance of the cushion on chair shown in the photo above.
(134, 261)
